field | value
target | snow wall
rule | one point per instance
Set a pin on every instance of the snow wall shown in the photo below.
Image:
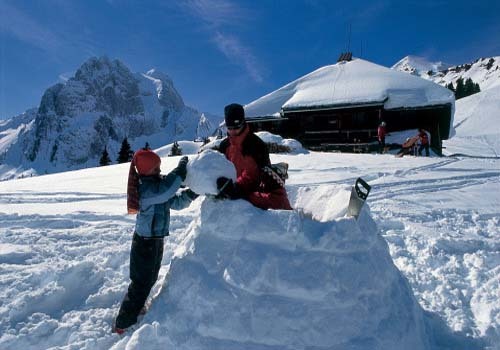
(245, 278)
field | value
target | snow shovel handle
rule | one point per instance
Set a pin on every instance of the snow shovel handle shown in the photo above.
(360, 193)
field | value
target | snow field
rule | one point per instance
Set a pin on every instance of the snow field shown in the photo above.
(65, 240)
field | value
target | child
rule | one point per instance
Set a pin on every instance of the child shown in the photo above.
(151, 196)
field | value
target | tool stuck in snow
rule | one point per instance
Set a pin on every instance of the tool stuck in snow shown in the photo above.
(359, 193)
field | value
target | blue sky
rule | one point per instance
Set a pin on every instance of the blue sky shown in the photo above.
(218, 52)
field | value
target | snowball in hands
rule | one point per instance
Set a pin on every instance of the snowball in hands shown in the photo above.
(203, 170)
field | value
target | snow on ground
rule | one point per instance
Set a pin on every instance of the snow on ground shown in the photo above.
(476, 124)
(293, 145)
(65, 241)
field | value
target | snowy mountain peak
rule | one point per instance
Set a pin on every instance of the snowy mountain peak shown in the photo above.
(165, 90)
(100, 66)
(96, 108)
(419, 65)
(484, 71)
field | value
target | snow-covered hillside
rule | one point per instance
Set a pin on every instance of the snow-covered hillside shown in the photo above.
(101, 105)
(237, 277)
(477, 125)
(484, 71)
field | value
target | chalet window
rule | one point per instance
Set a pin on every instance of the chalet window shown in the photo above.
(359, 118)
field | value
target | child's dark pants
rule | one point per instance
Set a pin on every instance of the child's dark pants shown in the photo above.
(145, 261)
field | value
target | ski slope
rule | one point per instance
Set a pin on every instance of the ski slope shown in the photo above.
(231, 272)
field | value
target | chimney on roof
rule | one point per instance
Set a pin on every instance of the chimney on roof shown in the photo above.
(345, 57)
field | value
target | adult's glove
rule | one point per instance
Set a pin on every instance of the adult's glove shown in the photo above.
(181, 170)
(227, 188)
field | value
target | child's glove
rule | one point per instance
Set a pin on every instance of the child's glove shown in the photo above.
(181, 170)
(191, 194)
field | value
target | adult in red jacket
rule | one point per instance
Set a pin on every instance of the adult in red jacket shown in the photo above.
(272, 193)
(381, 132)
(246, 151)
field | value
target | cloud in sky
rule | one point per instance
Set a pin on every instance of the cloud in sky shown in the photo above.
(26, 29)
(238, 53)
(217, 15)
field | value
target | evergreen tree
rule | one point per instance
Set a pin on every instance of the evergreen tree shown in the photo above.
(477, 88)
(465, 89)
(146, 146)
(176, 150)
(104, 158)
(450, 86)
(469, 87)
(460, 89)
(125, 155)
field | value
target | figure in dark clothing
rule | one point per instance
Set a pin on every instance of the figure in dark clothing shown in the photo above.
(424, 142)
(151, 196)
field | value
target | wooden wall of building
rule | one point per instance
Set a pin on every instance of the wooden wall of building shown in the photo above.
(351, 126)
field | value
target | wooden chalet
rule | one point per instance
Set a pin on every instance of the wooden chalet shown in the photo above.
(339, 107)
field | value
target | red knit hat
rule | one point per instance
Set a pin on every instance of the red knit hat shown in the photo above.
(146, 162)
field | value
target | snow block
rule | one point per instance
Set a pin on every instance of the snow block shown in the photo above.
(245, 278)
(212, 164)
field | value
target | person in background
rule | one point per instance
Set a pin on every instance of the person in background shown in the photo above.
(150, 196)
(424, 142)
(246, 151)
(381, 132)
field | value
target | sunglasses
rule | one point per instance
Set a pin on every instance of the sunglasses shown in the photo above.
(234, 127)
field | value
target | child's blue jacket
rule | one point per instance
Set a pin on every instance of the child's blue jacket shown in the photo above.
(157, 194)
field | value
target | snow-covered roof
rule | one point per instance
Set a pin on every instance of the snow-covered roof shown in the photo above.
(357, 82)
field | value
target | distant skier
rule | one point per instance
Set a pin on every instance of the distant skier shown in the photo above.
(246, 151)
(381, 132)
(151, 196)
(424, 142)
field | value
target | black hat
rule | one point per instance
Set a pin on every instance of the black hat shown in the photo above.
(234, 115)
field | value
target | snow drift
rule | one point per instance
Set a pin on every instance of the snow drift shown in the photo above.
(245, 278)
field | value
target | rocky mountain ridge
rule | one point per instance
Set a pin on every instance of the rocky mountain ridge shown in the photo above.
(100, 105)
(484, 71)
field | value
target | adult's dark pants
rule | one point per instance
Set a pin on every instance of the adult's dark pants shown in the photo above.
(381, 145)
(145, 262)
(422, 147)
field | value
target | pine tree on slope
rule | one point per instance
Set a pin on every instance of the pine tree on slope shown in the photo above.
(105, 160)
(125, 155)
(176, 150)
